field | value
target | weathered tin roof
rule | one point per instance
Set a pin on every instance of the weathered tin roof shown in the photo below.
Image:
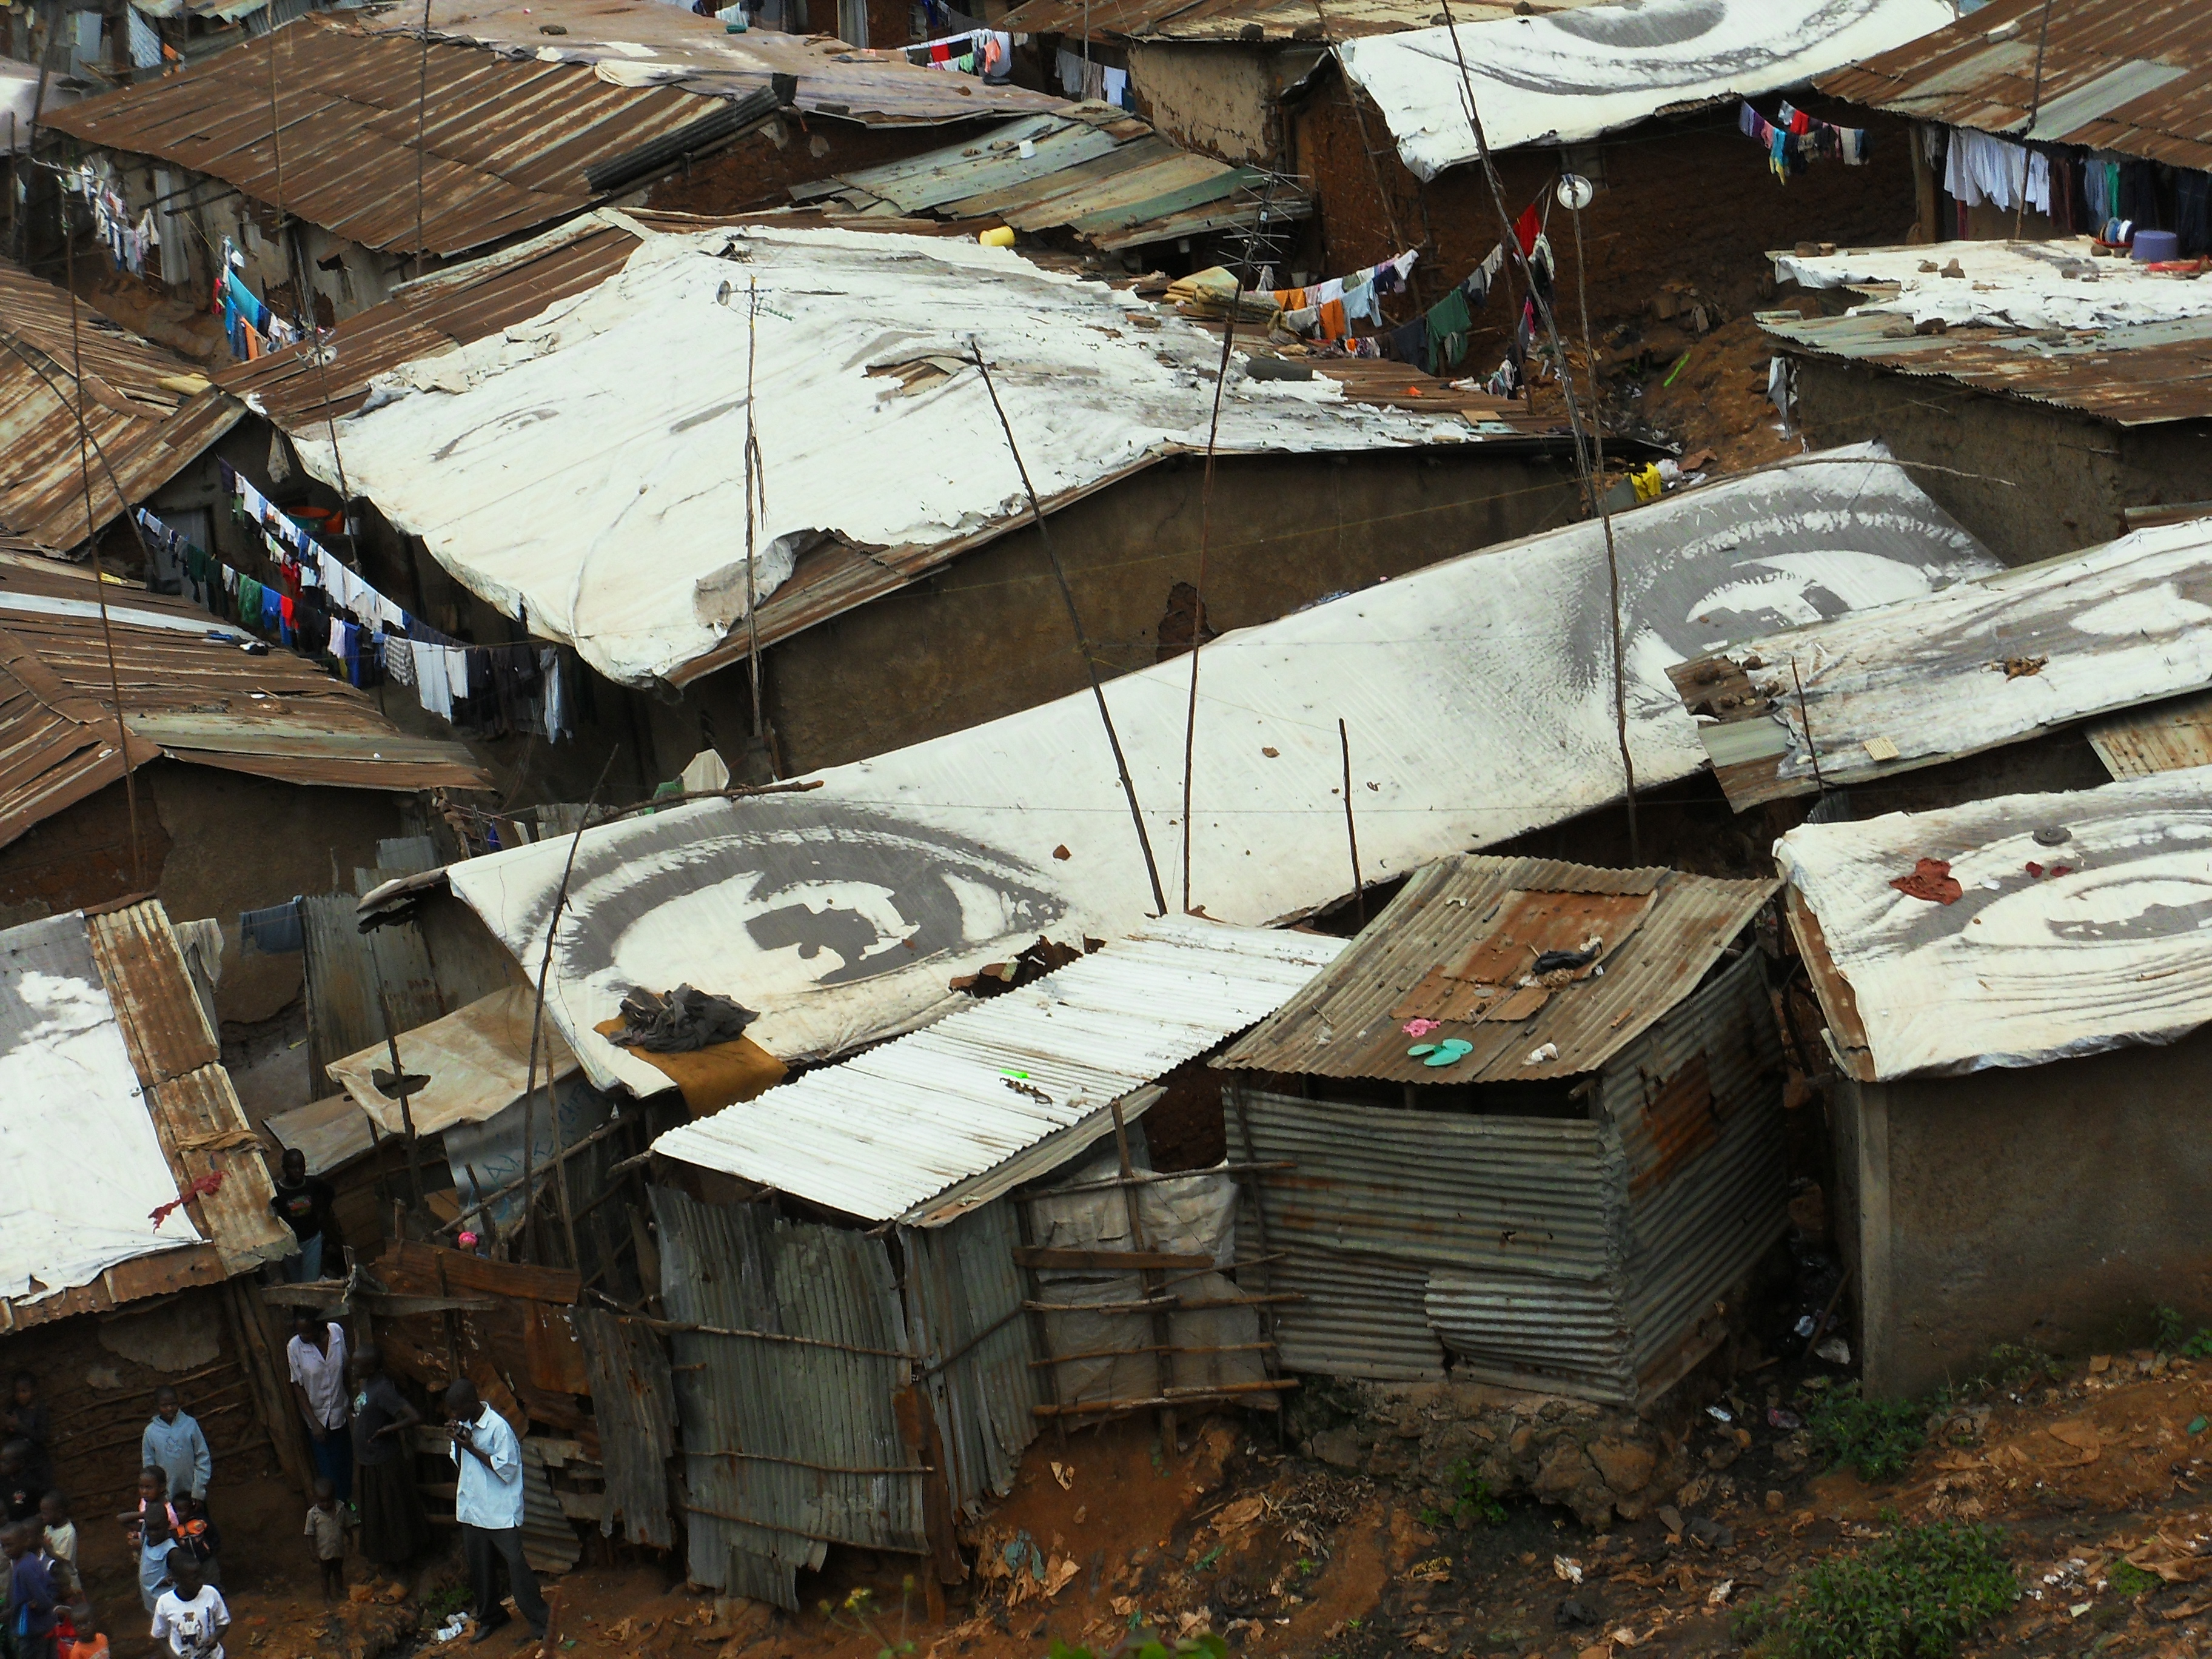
(2078, 926)
(1458, 946)
(2128, 76)
(478, 1058)
(863, 343)
(184, 695)
(1988, 662)
(103, 1036)
(888, 1132)
(1273, 20)
(640, 43)
(1575, 76)
(149, 414)
(1092, 169)
(902, 870)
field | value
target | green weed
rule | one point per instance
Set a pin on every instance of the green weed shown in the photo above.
(1147, 1646)
(1474, 1502)
(1912, 1595)
(1877, 1437)
(2128, 1579)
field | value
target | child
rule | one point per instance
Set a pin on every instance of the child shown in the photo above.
(196, 1532)
(30, 1593)
(326, 1526)
(86, 1642)
(19, 1488)
(172, 1443)
(151, 1532)
(190, 1616)
(58, 1532)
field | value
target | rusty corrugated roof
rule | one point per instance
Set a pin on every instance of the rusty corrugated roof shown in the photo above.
(184, 695)
(2130, 76)
(509, 140)
(148, 413)
(1458, 945)
(1274, 21)
(2138, 374)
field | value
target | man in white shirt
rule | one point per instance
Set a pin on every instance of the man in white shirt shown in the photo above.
(488, 1506)
(318, 1356)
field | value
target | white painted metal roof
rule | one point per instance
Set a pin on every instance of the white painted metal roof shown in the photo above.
(81, 1169)
(2026, 285)
(894, 1127)
(1479, 702)
(580, 472)
(2020, 968)
(1569, 76)
(1984, 663)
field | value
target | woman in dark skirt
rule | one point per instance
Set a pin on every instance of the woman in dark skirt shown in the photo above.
(393, 1528)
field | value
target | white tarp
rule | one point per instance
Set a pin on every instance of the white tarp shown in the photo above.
(2023, 285)
(580, 472)
(2020, 968)
(1479, 702)
(1570, 77)
(81, 1170)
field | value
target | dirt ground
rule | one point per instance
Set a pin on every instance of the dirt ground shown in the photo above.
(2080, 1465)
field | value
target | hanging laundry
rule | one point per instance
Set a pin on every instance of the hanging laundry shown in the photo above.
(1794, 138)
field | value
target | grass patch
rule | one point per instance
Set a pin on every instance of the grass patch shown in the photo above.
(2130, 1580)
(1913, 1596)
(1877, 1437)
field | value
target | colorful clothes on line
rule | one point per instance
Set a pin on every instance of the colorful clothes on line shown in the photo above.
(1794, 138)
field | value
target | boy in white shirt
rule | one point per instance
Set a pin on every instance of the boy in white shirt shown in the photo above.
(189, 1616)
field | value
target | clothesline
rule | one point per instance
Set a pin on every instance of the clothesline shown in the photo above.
(1794, 137)
(320, 608)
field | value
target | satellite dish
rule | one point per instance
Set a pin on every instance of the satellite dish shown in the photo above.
(1575, 192)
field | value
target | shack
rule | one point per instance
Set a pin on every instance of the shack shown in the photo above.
(1968, 356)
(2015, 993)
(879, 1279)
(1533, 1122)
(2036, 117)
(135, 1205)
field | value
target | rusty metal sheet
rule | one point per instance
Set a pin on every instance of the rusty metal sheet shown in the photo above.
(1465, 930)
(2132, 80)
(506, 142)
(1273, 21)
(634, 1402)
(2139, 374)
(138, 431)
(2160, 737)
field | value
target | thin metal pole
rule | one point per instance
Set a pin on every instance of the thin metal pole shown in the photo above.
(2034, 109)
(1805, 719)
(1197, 604)
(756, 495)
(537, 1028)
(1082, 639)
(1350, 831)
(1511, 241)
(98, 575)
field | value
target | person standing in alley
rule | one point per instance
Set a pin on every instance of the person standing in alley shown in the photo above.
(393, 1529)
(488, 1505)
(174, 1444)
(317, 1353)
(302, 1202)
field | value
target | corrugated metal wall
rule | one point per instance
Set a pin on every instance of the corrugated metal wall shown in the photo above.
(787, 1447)
(1572, 1255)
(964, 1301)
(1695, 1233)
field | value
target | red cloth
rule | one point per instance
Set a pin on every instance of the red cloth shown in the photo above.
(1931, 879)
(1527, 228)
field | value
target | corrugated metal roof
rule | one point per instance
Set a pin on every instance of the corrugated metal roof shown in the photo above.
(329, 1133)
(1274, 21)
(184, 695)
(117, 1102)
(2129, 76)
(1575, 75)
(904, 870)
(508, 141)
(143, 431)
(1458, 946)
(2170, 736)
(635, 43)
(889, 1130)
(1095, 170)
(2104, 948)
(520, 507)
(1988, 662)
